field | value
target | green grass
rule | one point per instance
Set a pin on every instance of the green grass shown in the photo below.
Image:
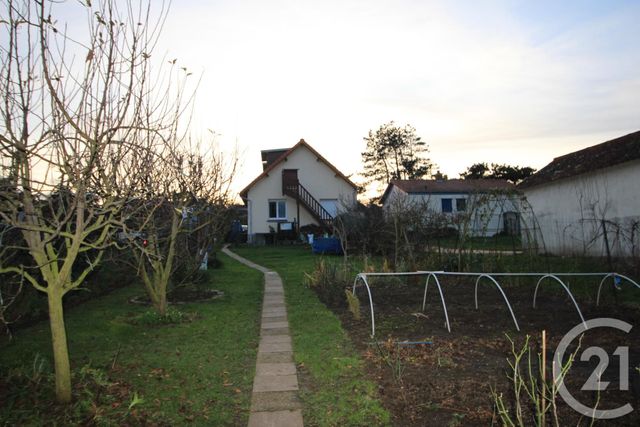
(492, 243)
(338, 393)
(198, 371)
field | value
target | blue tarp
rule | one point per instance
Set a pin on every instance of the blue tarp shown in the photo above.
(326, 245)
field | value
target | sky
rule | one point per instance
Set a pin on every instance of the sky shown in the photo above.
(516, 82)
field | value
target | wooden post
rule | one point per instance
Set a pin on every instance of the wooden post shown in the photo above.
(543, 406)
(609, 260)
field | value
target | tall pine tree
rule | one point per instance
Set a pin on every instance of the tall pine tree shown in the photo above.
(395, 152)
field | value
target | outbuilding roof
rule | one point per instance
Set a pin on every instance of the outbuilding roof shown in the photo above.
(620, 150)
(437, 186)
(274, 163)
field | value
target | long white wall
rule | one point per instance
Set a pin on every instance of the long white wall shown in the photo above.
(570, 212)
(320, 180)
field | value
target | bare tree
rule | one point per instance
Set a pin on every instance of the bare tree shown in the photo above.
(68, 135)
(182, 208)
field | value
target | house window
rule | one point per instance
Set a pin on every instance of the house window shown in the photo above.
(461, 205)
(277, 209)
(447, 205)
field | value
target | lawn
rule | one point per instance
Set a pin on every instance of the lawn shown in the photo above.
(491, 243)
(199, 371)
(332, 377)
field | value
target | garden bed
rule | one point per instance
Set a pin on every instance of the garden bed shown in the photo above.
(450, 381)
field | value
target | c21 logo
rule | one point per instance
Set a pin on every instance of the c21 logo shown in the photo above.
(594, 382)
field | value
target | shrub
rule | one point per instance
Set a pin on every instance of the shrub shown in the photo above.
(354, 304)
(153, 318)
(26, 395)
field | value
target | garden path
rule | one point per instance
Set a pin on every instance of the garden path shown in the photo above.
(275, 400)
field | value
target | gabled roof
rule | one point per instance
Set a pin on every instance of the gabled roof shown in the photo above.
(620, 150)
(283, 157)
(438, 186)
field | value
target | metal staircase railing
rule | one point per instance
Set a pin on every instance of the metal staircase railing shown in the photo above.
(298, 192)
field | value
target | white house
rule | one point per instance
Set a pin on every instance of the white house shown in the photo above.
(479, 207)
(297, 187)
(588, 202)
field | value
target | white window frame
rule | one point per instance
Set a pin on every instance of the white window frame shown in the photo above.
(281, 215)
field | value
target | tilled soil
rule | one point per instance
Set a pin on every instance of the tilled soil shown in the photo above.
(449, 381)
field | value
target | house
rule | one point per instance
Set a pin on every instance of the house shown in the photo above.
(297, 187)
(588, 202)
(479, 207)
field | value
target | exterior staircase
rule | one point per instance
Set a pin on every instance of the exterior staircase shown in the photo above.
(292, 188)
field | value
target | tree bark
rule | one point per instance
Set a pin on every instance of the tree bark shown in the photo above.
(60, 349)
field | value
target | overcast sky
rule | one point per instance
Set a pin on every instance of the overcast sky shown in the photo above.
(498, 81)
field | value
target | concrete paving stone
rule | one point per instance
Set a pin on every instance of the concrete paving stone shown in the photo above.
(274, 331)
(274, 318)
(270, 339)
(272, 305)
(274, 297)
(276, 419)
(274, 309)
(282, 310)
(274, 347)
(266, 369)
(275, 401)
(275, 383)
(270, 281)
(272, 314)
(274, 300)
(271, 325)
(279, 357)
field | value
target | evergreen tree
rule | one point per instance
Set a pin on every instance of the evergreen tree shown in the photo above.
(395, 152)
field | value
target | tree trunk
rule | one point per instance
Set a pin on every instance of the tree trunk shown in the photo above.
(60, 349)
(162, 303)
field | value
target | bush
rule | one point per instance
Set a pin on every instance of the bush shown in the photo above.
(27, 398)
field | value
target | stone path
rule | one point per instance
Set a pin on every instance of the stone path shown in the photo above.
(275, 401)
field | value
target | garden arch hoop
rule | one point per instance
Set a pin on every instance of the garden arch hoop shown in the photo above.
(557, 279)
(614, 275)
(506, 300)
(363, 277)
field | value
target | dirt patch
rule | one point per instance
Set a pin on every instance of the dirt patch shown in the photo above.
(449, 381)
